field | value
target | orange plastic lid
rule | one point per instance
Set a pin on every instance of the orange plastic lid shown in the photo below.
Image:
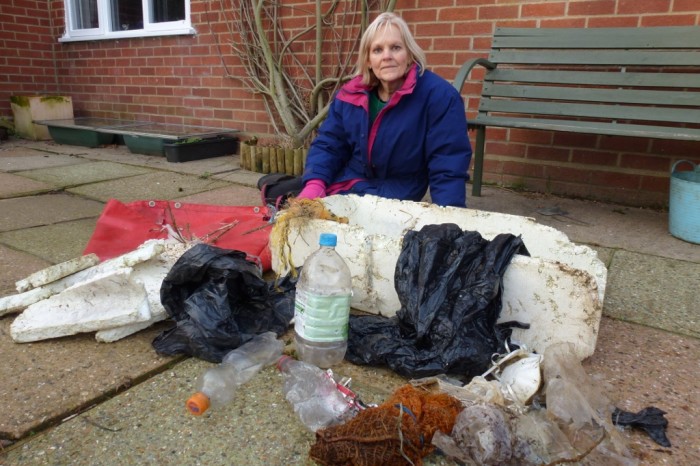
(198, 404)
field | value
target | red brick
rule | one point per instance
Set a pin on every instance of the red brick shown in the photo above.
(567, 173)
(473, 28)
(617, 180)
(548, 153)
(622, 143)
(645, 162)
(575, 139)
(523, 169)
(563, 23)
(517, 23)
(540, 10)
(508, 149)
(658, 184)
(685, 5)
(613, 22)
(498, 12)
(591, 8)
(589, 157)
(669, 20)
(530, 136)
(645, 7)
(688, 150)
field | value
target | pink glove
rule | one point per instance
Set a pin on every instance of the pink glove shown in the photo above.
(313, 189)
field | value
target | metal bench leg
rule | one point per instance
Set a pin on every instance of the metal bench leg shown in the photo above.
(478, 161)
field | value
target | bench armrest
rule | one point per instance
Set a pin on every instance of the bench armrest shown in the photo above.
(464, 71)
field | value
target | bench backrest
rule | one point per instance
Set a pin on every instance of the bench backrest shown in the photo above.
(635, 81)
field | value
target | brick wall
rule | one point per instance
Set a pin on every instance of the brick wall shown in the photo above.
(187, 79)
(26, 50)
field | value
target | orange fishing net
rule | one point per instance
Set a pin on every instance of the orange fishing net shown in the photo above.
(398, 432)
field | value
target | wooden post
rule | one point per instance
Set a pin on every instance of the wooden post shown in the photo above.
(265, 168)
(289, 161)
(298, 161)
(273, 160)
(254, 158)
(280, 160)
(245, 156)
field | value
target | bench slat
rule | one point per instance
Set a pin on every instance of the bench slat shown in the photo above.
(598, 38)
(594, 58)
(621, 112)
(609, 129)
(682, 80)
(589, 94)
(640, 82)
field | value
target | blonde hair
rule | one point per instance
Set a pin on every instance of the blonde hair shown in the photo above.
(381, 22)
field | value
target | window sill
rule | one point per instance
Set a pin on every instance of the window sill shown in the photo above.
(128, 35)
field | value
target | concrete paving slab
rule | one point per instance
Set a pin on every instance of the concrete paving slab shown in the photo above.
(593, 223)
(83, 173)
(242, 177)
(257, 428)
(38, 160)
(654, 291)
(45, 382)
(16, 186)
(15, 266)
(47, 209)
(234, 195)
(28, 146)
(121, 154)
(156, 185)
(644, 365)
(148, 424)
(54, 243)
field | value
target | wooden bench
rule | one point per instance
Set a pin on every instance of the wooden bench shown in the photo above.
(642, 82)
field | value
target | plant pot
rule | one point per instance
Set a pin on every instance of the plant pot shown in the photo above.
(147, 145)
(186, 151)
(27, 109)
(80, 137)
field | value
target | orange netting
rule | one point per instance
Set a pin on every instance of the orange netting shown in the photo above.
(398, 432)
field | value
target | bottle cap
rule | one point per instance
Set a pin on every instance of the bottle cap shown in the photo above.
(282, 361)
(328, 239)
(198, 404)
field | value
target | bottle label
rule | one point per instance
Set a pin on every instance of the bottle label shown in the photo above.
(321, 318)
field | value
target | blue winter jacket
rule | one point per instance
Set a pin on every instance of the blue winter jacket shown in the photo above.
(418, 139)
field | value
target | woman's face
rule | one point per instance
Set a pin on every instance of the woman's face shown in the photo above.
(388, 56)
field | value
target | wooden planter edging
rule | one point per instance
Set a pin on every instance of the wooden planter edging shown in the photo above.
(273, 159)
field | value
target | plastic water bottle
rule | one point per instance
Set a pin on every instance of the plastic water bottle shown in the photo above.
(322, 306)
(314, 394)
(217, 385)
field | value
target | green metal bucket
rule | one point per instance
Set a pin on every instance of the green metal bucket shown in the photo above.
(684, 203)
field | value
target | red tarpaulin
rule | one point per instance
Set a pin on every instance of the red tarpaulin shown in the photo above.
(124, 227)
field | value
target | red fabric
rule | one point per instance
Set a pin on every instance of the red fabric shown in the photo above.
(124, 227)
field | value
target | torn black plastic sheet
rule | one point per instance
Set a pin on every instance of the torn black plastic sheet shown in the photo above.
(650, 419)
(449, 284)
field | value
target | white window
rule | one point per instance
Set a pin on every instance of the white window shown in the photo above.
(117, 19)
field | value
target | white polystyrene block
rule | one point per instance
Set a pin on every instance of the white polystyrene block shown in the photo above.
(559, 290)
(105, 301)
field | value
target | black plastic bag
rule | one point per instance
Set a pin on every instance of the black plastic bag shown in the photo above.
(449, 284)
(219, 301)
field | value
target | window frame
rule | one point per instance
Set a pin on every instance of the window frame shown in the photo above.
(104, 32)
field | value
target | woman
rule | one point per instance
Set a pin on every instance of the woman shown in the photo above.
(394, 130)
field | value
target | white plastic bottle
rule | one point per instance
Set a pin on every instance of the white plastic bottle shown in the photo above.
(217, 385)
(322, 306)
(313, 394)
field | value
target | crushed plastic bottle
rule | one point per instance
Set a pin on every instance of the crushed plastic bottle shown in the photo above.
(314, 395)
(217, 385)
(322, 306)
